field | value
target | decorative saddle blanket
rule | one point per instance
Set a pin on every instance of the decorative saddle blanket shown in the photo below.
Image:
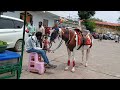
(85, 39)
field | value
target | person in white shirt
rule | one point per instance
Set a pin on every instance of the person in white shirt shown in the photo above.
(33, 45)
(41, 28)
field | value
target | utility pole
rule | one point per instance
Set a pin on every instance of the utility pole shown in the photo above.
(79, 22)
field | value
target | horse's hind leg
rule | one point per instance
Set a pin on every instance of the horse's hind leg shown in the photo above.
(73, 61)
(82, 56)
(87, 56)
(68, 63)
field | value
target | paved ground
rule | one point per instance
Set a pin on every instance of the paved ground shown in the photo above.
(104, 63)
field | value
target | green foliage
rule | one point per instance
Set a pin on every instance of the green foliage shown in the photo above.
(85, 14)
(90, 25)
(96, 19)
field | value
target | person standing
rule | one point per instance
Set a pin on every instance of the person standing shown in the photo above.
(41, 28)
(31, 29)
(116, 38)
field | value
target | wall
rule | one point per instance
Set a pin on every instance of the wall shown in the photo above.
(37, 16)
(105, 29)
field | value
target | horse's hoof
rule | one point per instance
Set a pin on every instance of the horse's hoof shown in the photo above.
(73, 69)
(66, 68)
(86, 65)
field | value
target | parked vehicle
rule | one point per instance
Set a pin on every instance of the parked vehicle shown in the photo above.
(105, 37)
(11, 31)
(110, 36)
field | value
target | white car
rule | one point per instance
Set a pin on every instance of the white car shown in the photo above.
(11, 31)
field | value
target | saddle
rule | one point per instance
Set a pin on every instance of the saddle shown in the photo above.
(85, 39)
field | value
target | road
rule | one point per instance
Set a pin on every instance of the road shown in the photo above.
(104, 63)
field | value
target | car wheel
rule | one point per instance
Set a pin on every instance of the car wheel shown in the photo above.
(18, 46)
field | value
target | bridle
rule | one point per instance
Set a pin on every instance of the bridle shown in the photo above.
(61, 33)
(59, 43)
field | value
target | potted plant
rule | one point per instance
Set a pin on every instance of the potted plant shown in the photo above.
(3, 46)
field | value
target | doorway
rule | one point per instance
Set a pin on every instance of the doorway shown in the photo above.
(29, 17)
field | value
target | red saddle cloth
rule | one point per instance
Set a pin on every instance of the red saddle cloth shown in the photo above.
(79, 38)
(87, 39)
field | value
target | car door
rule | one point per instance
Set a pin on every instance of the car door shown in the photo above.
(18, 28)
(7, 32)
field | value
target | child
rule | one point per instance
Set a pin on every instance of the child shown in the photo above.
(46, 43)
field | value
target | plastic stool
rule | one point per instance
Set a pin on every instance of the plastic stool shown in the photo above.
(35, 64)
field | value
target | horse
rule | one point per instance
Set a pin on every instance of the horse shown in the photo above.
(74, 40)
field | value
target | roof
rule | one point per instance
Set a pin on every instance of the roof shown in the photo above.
(105, 23)
(11, 18)
(53, 15)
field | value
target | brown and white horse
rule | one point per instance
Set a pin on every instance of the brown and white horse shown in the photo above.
(71, 40)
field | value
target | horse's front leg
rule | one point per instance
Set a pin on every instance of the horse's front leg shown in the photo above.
(69, 55)
(73, 61)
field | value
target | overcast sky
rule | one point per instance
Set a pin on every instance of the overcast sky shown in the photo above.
(109, 16)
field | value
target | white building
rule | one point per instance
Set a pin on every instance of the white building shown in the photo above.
(47, 18)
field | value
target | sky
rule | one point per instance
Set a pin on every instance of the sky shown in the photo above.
(109, 16)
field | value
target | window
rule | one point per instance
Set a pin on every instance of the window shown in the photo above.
(6, 23)
(45, 22)
(18, 24)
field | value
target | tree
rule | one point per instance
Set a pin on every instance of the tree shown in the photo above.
(90, 25)
(85, 16)
(96, 19)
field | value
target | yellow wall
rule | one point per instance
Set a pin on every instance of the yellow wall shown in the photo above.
(105, 29)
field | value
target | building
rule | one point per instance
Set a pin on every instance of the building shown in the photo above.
(47, 18)
(105, 27)
(70, 23)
